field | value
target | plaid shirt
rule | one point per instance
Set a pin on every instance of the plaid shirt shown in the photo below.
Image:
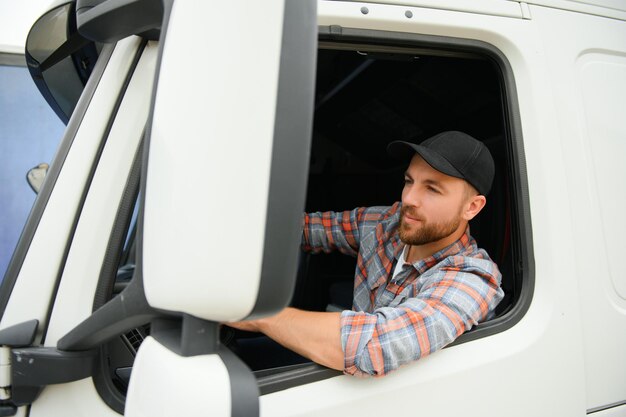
(428, 304)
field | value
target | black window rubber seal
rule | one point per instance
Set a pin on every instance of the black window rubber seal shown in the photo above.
(117, 237)
(107, 390)
(41, 201)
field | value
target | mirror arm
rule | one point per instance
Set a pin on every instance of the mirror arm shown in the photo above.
(128, 310)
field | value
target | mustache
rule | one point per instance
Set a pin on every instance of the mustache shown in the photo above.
(411, 211)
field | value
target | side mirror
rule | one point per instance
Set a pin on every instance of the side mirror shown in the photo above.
(36, 175)
(59, 59)
(111, 20)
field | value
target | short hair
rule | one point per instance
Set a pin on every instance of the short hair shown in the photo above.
(470, 190)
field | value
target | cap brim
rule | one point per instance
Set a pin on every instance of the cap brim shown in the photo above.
(405, 151)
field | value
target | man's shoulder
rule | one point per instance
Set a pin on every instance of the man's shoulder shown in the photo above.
(474, 260)
(385, 216)
(381, 213)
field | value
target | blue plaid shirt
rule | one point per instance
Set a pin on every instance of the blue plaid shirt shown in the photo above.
(424, 307)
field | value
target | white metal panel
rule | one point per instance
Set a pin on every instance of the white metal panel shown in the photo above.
(33, 289)
(615, 9)
(603, 81)
(86, 255)
(536, 367)
(611, 4)
(210, 157)
(487, 7)
(164, 384)
(587, 53)
(591, 67)
(76, 399)
(430, 21)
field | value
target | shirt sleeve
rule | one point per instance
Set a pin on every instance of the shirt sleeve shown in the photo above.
(342, 231)
(330, 231)
(451, 302)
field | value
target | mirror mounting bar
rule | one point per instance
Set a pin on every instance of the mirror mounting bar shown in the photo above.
(128, 310)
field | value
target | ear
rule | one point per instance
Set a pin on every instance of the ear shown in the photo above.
(473, 206)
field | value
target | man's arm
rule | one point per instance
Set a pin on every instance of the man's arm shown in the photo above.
(314, 335)
(379, 342)
(342, 231)
(330, 231)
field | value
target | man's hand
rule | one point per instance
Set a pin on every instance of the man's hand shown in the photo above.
(248, 326)
(314, 335)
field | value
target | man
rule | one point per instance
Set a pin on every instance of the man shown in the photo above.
(420, 279)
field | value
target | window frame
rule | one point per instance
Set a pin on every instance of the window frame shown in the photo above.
(278, 379)
(521, 230)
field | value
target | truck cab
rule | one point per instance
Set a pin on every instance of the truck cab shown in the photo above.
(196, 135)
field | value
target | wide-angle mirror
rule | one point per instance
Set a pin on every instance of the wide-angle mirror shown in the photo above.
(59, 59)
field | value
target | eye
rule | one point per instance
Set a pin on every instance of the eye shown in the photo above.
(408, 181)
(433, 189)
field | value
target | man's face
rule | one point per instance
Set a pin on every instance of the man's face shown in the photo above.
(432, 204)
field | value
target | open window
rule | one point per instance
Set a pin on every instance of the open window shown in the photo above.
(373, 89)
(369, 95)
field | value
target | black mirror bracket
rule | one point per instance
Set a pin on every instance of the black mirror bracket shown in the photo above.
(192, 336)
(25, 370)
(109, 21)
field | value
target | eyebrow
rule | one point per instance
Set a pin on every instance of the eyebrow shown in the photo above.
(428, 181)
(435, 183)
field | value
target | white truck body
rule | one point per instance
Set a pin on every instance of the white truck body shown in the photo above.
(212, 111)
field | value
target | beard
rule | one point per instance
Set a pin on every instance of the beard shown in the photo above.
(426, 232)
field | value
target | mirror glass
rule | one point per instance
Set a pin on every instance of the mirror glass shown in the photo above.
(59, 59)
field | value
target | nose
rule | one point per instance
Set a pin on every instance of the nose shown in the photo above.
(411, 196)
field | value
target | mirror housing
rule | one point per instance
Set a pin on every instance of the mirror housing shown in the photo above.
(227, 169)
(111, 20)
(59, 59)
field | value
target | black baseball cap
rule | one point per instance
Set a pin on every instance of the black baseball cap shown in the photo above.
(454, 153)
